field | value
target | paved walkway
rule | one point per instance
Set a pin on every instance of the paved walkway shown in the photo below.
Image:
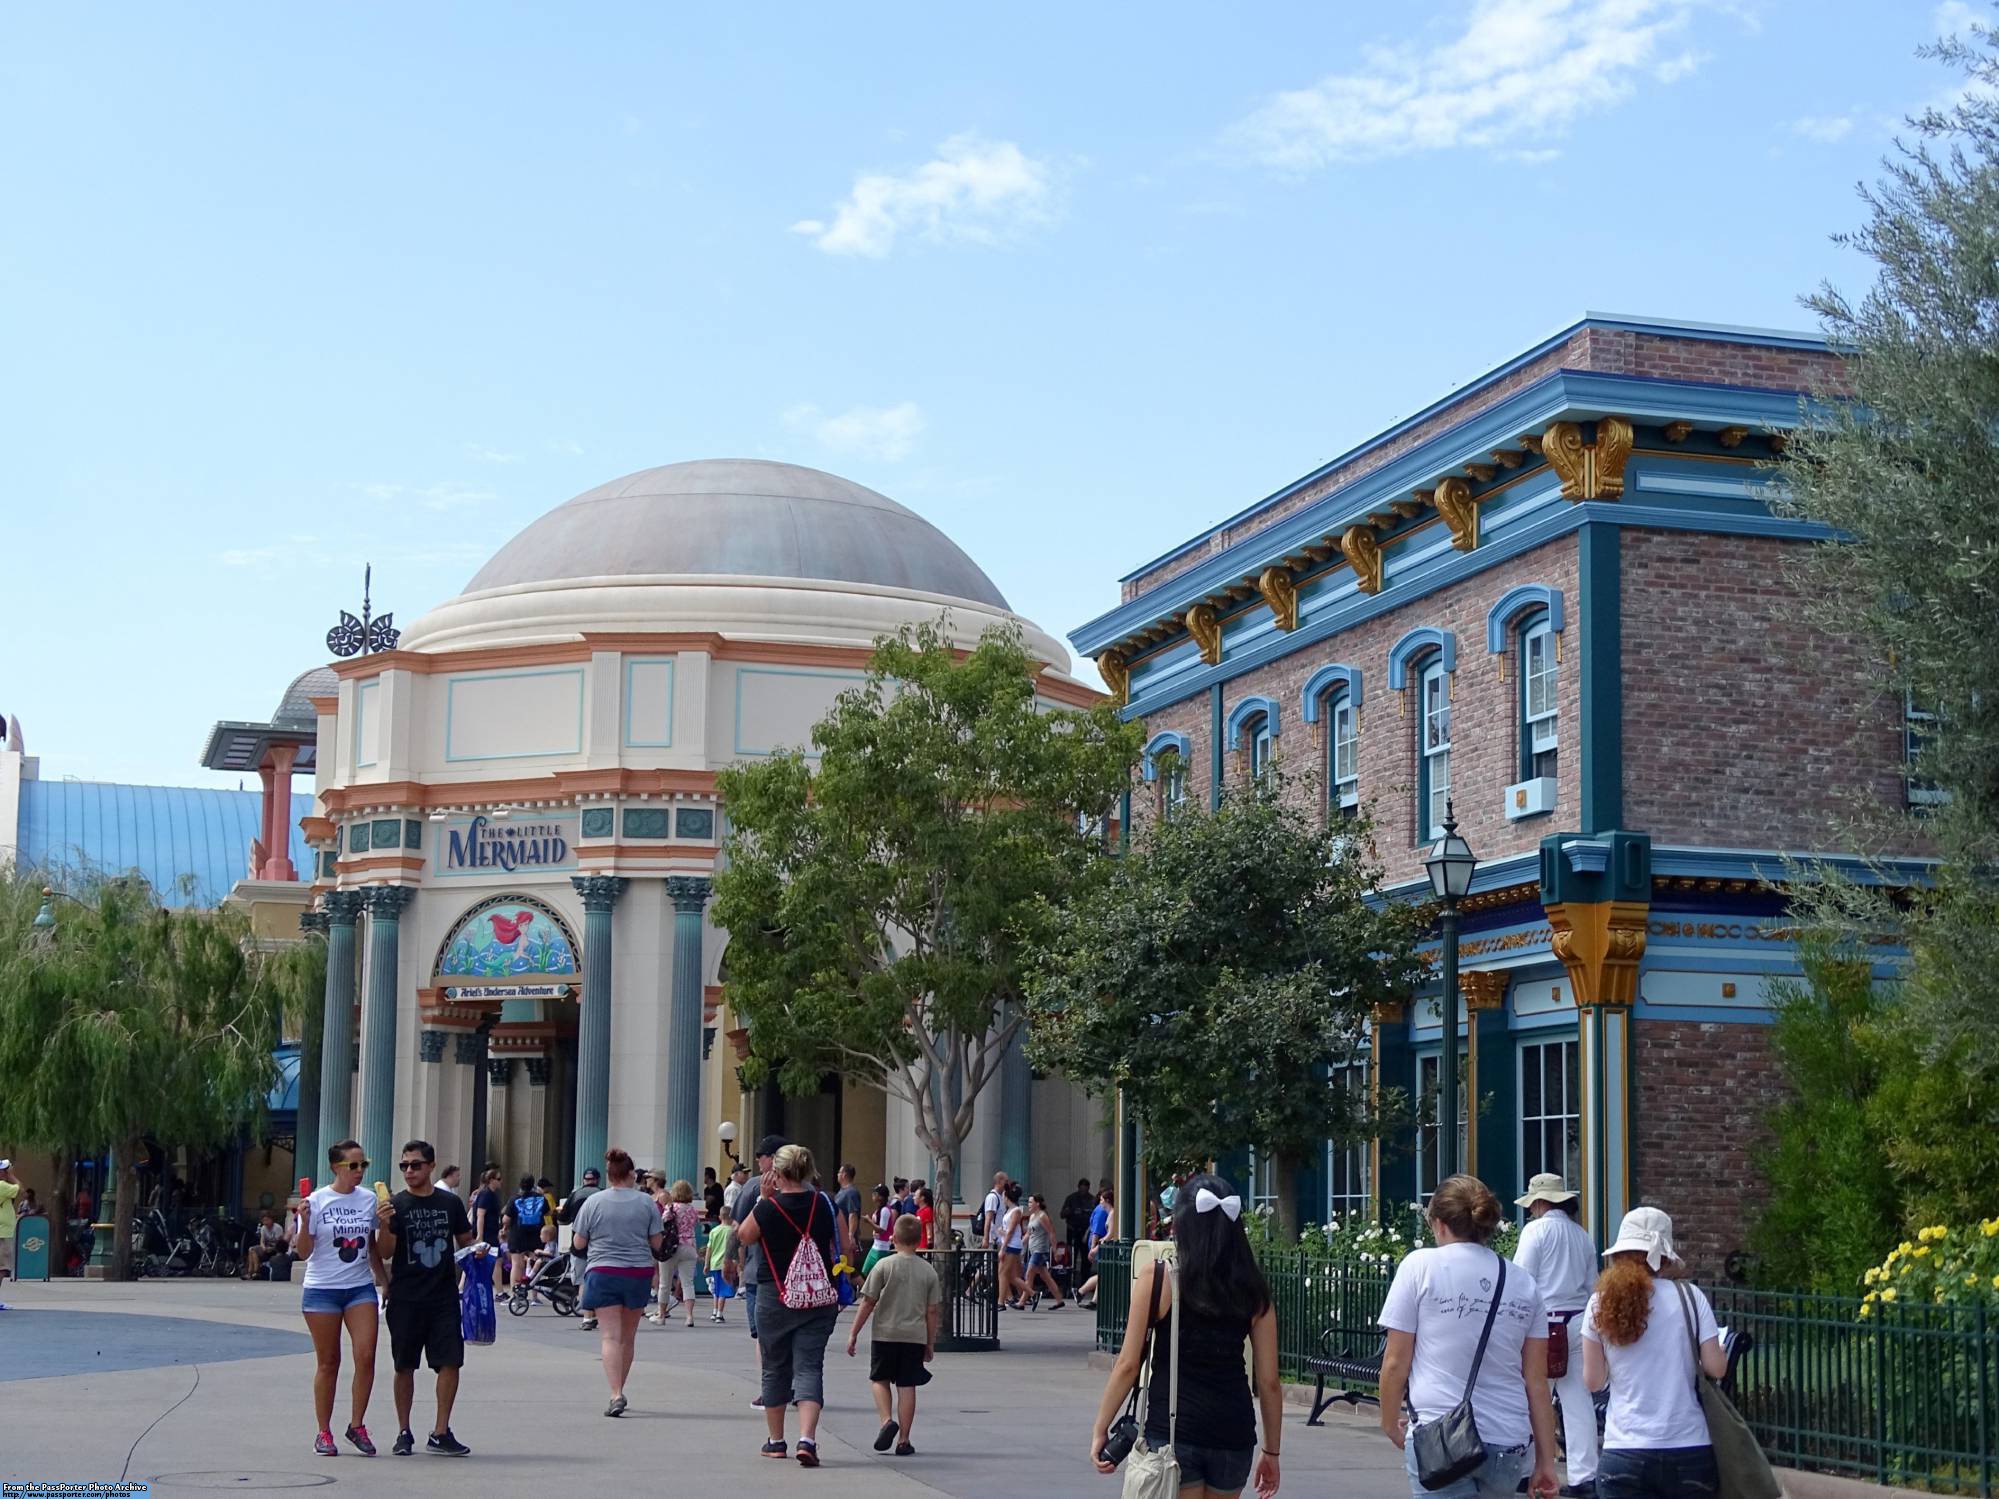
(198, 1385)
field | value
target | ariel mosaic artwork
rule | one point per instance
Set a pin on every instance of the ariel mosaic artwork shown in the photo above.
(509, 936)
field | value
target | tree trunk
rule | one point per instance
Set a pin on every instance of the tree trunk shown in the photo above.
(1285, 1168)
(125, 1210)
(942, 1190)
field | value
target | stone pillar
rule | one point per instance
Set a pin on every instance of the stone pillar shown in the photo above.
(1016, 1121)
(266, 816)
(682, 1156)
(278, 812)
(378, 1025)
(336, 1044)
(305, 1133)
(600, 894)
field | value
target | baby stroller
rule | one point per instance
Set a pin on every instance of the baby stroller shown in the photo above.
(549, 1283)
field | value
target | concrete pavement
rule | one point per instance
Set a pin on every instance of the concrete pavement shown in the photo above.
(200, 1385)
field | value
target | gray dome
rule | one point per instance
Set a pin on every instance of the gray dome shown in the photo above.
(295, 707)
(741, 517)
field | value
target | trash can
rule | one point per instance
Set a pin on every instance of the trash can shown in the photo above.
(34, 1248)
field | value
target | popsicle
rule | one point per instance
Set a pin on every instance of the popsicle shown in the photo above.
(381, 1192)
(305, 1186)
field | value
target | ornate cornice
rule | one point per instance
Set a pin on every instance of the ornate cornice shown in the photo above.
(344, 906)
(688, 892)
(600, 892)
(1600, 945)
(1206, 629)
(1590, 471)
(430, 1045)
(1362, 549)
(1455, 504)
(314, 921)
(386, 902)
(1280, 591)
(1117, 676)
(1484, 989)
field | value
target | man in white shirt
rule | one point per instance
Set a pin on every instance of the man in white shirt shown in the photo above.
(993, 1210)
(1561, 1256)
(733, 1193)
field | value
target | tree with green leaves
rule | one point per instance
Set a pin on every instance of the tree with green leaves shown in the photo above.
(880, 904)
(1223, 972)
(1902, 463)
(122, 1019)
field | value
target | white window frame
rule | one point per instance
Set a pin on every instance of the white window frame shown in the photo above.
(1534, 1126)
(1261, 1195)
(1539, 731)
(1261, 743)
(1343, 742)
(1354, 1154)
(1918, 724)
(1172, 785)
(1429, 1156)
(1434, 707)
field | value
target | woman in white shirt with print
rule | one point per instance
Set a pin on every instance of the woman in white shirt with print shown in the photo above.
(1635, 1340)
(1561, 1256)
(1435, 1314)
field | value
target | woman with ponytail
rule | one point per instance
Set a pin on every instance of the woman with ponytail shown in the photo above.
(1636, 1342)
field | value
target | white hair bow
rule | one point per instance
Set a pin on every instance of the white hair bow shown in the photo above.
(1206, 1202)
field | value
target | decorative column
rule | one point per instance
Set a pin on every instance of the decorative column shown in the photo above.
(336, 1032)
(278, 815)
(1016, 1121)
(1486, 1073)
(682, 1155)
(600, 894)
(378, 1025)
(305, 1132)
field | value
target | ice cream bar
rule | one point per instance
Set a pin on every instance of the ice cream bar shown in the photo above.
(305, 1186)
(381, 1192)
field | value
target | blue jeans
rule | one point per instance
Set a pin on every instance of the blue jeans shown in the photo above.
(1657, 1473)
(1499, 1474)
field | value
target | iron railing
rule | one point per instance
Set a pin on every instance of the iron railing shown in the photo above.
(971, 1299)
(1907, 1396)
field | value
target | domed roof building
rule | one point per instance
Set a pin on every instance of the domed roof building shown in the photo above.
(517, 818)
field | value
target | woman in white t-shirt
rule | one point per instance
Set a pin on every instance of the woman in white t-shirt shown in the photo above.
(1561, 1256)
(1436, 1312)
(1636, 1341)
(336, 1240)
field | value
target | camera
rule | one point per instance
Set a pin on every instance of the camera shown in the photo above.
(1123, 1437)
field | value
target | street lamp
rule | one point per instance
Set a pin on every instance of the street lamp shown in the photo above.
(1451, 864)
(727, 1130)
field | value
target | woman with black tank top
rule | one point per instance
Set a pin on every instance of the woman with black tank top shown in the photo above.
(1221, 1301)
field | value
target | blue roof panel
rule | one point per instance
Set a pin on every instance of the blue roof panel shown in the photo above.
(166, 833)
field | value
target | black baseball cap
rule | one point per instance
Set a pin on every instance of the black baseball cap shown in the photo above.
(590, 1174)
(771, 1144)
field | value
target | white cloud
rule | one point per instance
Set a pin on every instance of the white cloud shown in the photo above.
(1518, 73)
(446, 496)
(1825, 129)
(565, 446)
(973, 191)
(885, 432)
(1954, 18)
(479, 453)
(291, 550)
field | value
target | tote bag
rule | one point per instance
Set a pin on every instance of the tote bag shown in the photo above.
(1738, 1456)
(1154, 1472)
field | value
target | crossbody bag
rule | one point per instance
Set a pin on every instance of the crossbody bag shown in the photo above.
(1450, 1447)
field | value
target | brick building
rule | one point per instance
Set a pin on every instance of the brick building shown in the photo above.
(1557, 600)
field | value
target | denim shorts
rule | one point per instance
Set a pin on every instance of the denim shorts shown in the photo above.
(1222, 1469)
(1040, 1260)
(634, 1292)
(336, 1299)
(1499, 1474)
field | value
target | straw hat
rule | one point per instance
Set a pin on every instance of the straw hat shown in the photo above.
(1649, 1232)
(1545, 1187)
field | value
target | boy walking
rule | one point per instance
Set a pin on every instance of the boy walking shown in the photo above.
(903, 1296)
(721, 1241)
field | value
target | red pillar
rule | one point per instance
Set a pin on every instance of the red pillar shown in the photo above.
(278, 814)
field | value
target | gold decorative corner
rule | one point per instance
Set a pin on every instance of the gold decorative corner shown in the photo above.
(1531, 441)
(1381, 520)
(1600, 945)
(1589, 471)
(1484, 989)
(1506, 458)
(1111, 666)
(1731, 437)
(1413, 506)
(1281, 593)
(1207, 632)
(1484, 473)
(1363, 550)
(1460, 512)
(1386, 1012)
(1677, 431)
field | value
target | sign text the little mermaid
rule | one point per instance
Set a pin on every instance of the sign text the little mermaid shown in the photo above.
(507, 846)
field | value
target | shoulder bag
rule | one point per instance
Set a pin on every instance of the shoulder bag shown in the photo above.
(1154, 1472)
(1449, 1448)
(1738, 1456)
(1123, 1435)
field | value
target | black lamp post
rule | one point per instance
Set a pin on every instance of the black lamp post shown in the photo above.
(1451, 864)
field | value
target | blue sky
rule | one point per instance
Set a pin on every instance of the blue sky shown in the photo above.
(284, 289)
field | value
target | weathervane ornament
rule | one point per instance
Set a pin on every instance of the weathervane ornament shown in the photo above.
(353, 636)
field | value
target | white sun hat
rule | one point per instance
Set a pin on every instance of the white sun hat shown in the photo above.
(1647, 1231)
(1546, 1186)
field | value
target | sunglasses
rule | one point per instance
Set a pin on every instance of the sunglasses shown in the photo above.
(413, 1165)
(354, 1165)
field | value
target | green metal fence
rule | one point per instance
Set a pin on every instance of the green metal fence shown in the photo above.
(1908, 1396)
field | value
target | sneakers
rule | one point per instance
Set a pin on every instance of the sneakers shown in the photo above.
(444, 1444)
(616, 1407)
(903, 1449)
(405, 1444)
(358, 1435)
(588, 1324)
(323, 1445)
(773, 1449)
(808, 1453)
(757, 1404)
(885, 1438)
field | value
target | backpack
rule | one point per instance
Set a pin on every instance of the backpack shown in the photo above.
(669, 1233)
(807, 1285)
(528, 1210)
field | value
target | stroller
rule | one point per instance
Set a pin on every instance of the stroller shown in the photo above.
(549, 1283)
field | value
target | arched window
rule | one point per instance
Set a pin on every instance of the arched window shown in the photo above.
(1172, 783)
(1540, 677)
(1252, 731)
(1261, 742)
(1433, 748)
(1342, 756)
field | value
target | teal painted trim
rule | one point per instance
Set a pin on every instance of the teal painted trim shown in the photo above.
(1246, 712)
(365, 708)
(1602, 672)
(1498, 1103)
(1158, 745)
(1515, 601)
(1420, 642)
(672, 679)
(806, 748)
(1321, 685)
(1215, 760)
(450, 690)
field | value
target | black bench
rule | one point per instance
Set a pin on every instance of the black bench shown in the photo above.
(1352, 1356)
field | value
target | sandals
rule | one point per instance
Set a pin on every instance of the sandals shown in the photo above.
(903, 1449)
(885, 1438)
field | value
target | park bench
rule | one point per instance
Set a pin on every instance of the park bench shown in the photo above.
(1350, 1355)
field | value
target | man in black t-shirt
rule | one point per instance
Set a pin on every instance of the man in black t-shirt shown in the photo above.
(426, 1228)
(1076, 1210)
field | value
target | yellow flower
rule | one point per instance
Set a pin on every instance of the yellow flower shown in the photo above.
(1924, 1235)
(1904, 1247)
(1869, 1298)
(1873, 1274)
(1921, 1250)
(1971, 1280)
(1995, 1282)
(1990, 1227)
(1907, 1266)
(1889, 1294)
(1866, 1311)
